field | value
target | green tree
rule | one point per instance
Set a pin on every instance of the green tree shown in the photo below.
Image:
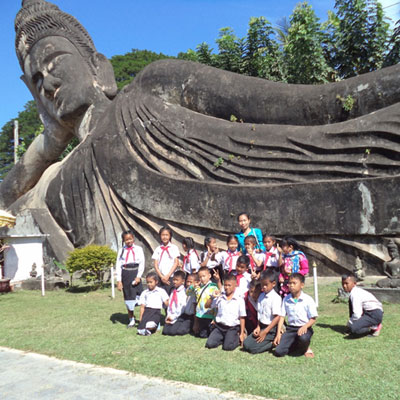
(94, 260)
(303, 49)
(230, 49)
(261, 56)
(29, 126)
(393, 56)
(127, 66)
(359, 37)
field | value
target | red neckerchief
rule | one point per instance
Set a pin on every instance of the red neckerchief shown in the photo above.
(174, 298)
(230, 258)
(128, 250)
(267, 256)
(186, 258)
(164, 249)
(238, 278)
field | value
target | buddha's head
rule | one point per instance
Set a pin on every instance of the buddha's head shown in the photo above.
(61, 66)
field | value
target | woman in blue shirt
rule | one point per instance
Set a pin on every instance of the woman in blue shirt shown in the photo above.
(244, 222)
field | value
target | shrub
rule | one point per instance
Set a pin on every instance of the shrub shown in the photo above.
(94, 260)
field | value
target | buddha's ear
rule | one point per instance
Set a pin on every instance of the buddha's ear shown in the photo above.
(104, 74)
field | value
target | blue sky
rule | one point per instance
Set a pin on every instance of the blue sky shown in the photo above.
(158, 25)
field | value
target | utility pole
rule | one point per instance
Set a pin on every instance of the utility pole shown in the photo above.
(16, 141)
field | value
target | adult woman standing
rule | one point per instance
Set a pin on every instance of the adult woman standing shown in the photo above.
(246, 230)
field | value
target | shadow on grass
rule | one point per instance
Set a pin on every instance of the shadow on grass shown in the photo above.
(86, 288)
(337, 328)
(119, 318)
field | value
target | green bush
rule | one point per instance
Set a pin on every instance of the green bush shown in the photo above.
(94, 260)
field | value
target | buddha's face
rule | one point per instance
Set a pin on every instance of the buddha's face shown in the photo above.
(60, 77)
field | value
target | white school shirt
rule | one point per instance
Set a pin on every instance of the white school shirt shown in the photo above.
(273, 257)
(300, 312)
(244, 283)
(228, 257)
(211, 264)
(153, 298)
(176, 309)
(166, 258)
(191, 262)
(229, 311)
(268, 305)
(258, 257)
(126, 256)
(362, 300)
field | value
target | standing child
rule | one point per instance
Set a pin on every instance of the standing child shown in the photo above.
(204, 314)
(269, 306)
(250, 300)
(230, 256)
(301, 312)
(176, 305)
(243, 278)
(151, 301)
(211, 258)
(294, 261)
(272, 255)
(366, 312)
(191, 261)
(130, 267)
(165, 258)
(229, 325)
(256, 259)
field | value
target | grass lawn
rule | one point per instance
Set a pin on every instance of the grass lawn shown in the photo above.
(90, 327)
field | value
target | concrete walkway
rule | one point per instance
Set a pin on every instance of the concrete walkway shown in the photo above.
(31, 376)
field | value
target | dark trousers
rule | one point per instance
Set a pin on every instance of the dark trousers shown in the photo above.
(182, 326)
(203, 325)
(250, 344)
(291, 342)
(368, 319)
(228, 336)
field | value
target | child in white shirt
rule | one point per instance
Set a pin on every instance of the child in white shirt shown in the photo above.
(230, 256)
(366, 312)
(302, 313)
(176, 306)
(165, 258)
(151, 301)
(191, 261)
(130, 267)
(269, 306)
(243, 278)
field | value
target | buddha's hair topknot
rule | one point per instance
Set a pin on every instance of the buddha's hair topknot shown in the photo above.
(38, 19)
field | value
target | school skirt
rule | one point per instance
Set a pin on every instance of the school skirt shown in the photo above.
(128, 274)
(150, 315)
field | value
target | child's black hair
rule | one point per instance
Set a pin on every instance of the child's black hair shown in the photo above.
(195, 276)
(127, 232)
(180, 274)
(349, 275)
(230, 277)
(231, 237)
(269, 274)
(254, 283)
(243, 213)
(243, 259)
(188, 242)
(298, 276)
(202, 269)
(208, 240)
(165, 228)
(289, 241)
(152, 275)
(251, 239)
(266, 235)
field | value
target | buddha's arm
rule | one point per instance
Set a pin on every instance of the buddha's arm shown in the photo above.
(43, 151)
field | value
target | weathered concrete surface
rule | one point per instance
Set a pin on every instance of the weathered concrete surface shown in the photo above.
(27, 376)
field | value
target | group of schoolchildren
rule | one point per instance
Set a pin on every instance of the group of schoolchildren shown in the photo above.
(250, 295)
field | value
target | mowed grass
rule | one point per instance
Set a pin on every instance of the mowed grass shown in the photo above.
(90, 327)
